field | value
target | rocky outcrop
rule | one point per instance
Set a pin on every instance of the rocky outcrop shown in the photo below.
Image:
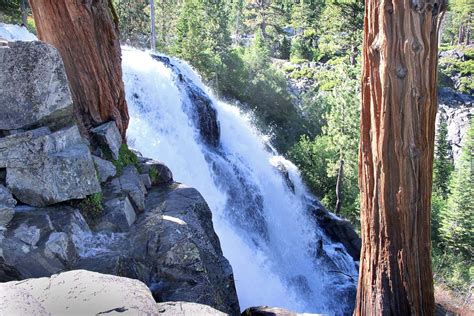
(338, 229)
(82, 292)
(108, 137)
(7, 205)
(171, 246)
(187, 309)
(159, 173)
(77, 292)
(105, 169)
(269, 311)
(177, 235)
(35, 90)
(44, 168)
(128, 183)
(457, 109)
(41, 241)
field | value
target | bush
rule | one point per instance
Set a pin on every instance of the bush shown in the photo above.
(126, 157)
(91, 207)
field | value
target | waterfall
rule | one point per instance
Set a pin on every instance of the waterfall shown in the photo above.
(280, 256)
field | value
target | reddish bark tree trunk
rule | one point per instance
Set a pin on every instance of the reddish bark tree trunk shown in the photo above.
(399, 104)
(86, 35)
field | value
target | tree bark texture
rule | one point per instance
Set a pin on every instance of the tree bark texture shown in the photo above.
(85, 33)
(399, 104)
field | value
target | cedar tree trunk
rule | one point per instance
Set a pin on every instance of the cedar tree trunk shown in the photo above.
(399, 104)
(85, 33)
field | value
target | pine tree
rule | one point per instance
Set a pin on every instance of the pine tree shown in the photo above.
(443, 165)
(457, 221)
(134, 21)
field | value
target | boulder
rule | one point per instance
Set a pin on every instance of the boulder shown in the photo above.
(44, 169)
(118, 216)
(105, 169)
(159, 173)
(186, 309)
(40, 241)
(339, 230)
(108, 137)
(176, 236)
(271, 311)
(35, 89)
(129, 182)
(77, 292)
(7, 205)
(146, 180)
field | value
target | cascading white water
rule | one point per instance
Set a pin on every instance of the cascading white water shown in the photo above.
(262, 224)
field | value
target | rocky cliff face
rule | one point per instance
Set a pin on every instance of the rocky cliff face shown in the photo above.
(67, 203)
(457, 109)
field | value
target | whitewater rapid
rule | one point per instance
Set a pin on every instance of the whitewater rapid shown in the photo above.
(262, 224)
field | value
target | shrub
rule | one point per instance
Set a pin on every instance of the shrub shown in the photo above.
(91, 206)
(126, 157)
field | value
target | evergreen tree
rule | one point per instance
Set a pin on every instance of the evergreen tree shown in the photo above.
(304, 22)
(167, 14)
(341, 26)
(134, 21)
(192, 43)
(457, 221)
(443, 165)
(459, 23)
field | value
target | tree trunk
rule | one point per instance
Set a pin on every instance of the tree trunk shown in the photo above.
(24, 11)
(86, 35)
(461, 34)
(152, 28)
(339, 184)
(399, 104)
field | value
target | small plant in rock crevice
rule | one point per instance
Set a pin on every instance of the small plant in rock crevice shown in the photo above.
(126, 157)
(91, 207)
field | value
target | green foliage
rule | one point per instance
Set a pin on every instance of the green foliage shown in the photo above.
(341, 29)
(335, 113)
(457, 221)
(452, 271)
(458, 23)
(153, 173)
(443, 165)
(313, 156)
(134, 21)
(450, 67)
(91, 206)
(452, 210)
(11, 12)
(126, 157)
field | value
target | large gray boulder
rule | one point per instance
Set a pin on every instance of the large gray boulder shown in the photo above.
(44, 169)
(187, 309)
(118, 216)
(105, 169)
(176, 235)
(7, 205)
(337, 229)
(77, 292)
(129, 183)
(35, 89)
(158, 172)
(108, 137)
